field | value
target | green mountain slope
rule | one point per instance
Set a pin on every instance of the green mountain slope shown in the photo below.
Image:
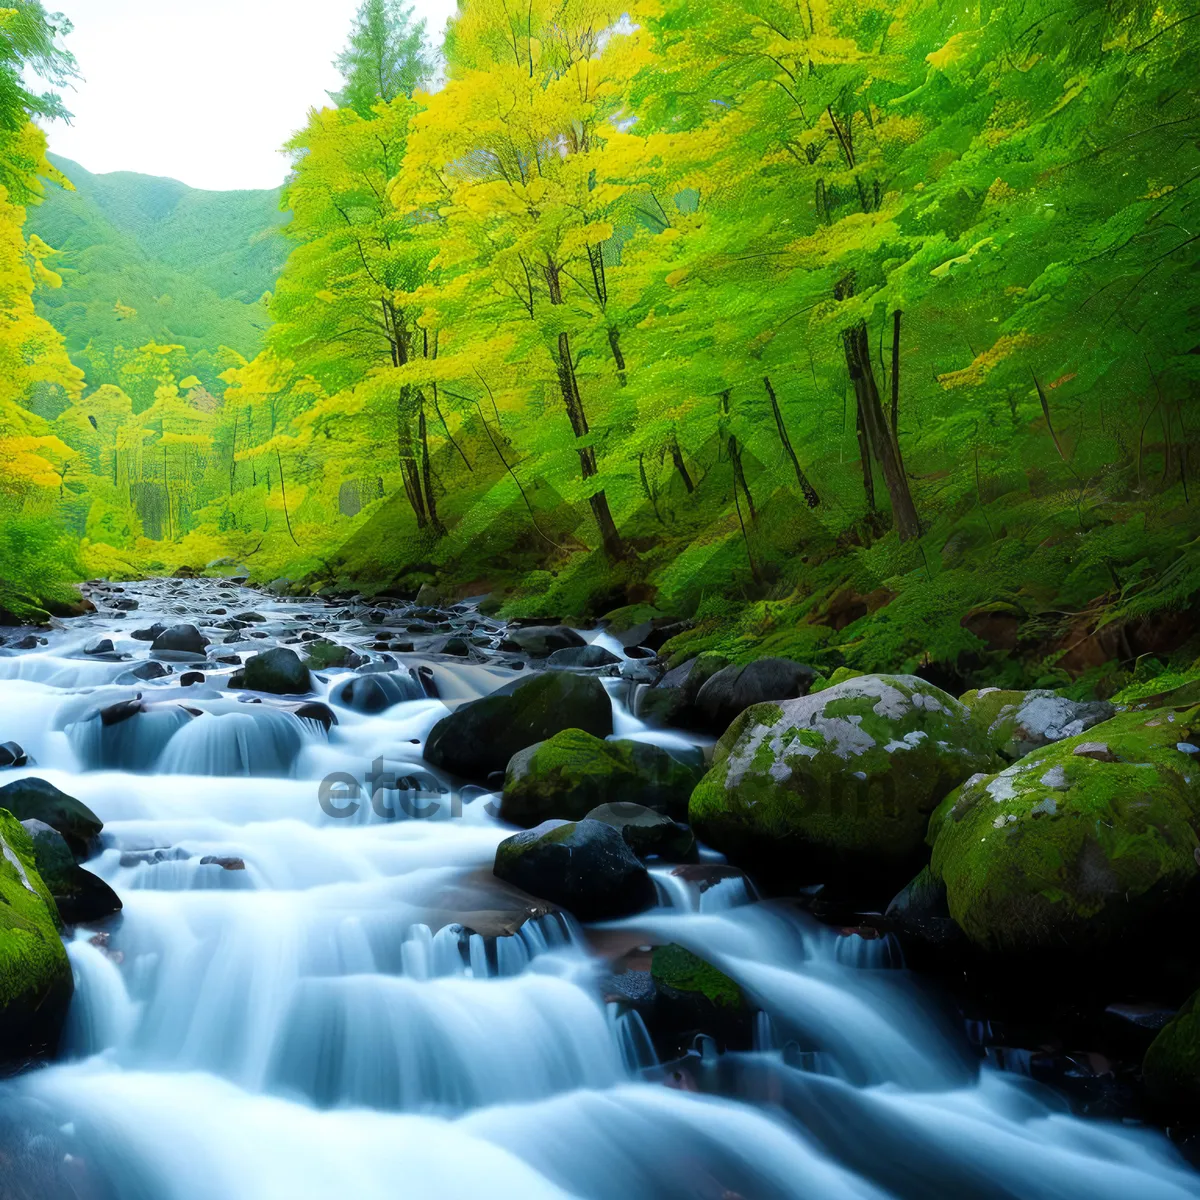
(192, 265)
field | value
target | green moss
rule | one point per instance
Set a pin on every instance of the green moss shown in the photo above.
(32, 959)
(323, 654)
(1171, 1068)
(1067, 849)
(840, 675)
(674, 967)
(622, 620)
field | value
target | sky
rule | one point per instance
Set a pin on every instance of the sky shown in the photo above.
(203, 92)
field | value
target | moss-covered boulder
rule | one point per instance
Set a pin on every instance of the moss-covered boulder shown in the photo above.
(35, 977)
(693, 997)
(572, 772)
(79, 896)
(735, 688)
(482, 736)
(1171, 1068)
(279, 671)
(34, 799)
(1017, 723)
(1080, 844)
(324, 655)
(840, 783)
(585, 866)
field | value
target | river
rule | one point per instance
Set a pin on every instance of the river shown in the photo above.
(291, 1003)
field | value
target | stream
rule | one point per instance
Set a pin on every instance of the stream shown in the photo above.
(293, 1004)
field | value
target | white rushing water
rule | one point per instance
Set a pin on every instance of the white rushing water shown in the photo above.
(294, 1005)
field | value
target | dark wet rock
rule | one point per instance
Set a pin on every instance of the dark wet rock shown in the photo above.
(1171, 1068)
(28, 642)
(1077, 854)
(428, 596)
(455, 646)
(920, 910)
(230, 660)
(250, 618)
(12, 755)
(180, 639)
(376, 692)
(569, 774)
(585, 866)
(147, 671)
(148, 635)
(226, 864)
(100, 646)
(640, 652)
(324, 655)
(81, 897)
(124, 604)
(672, 701)
(36, 983)
(693, 997)
(482, 736)
(842, 781)
(278, 671)
(733, 689)
(646, 832)
(1017, 723)
(123, 710)
(582, 657)
(191, 678)
(34, 799)
(540, 641)
(315, 710)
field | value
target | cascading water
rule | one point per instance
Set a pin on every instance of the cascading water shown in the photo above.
(295, 1004)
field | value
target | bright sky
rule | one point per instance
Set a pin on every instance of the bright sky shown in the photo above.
(203, 92)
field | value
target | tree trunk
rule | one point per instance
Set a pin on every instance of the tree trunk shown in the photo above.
(739, 476)
(283, 496)
(810, 493)
(856, 343)
(427, 473)
(896, 375)
(609, 536)
(614, 342)
(864, 453)
(408, 466)
(681, 466)
(646, 487)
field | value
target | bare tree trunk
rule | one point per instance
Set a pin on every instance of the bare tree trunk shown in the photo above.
(614, 342)
(647, 489)
(427, 472)
(739, 476)
(609, 536)
(896, 375)
(408, 466)
(681, 466)
(857, 346)
(864, 453)
(283, 496)
(810, 493)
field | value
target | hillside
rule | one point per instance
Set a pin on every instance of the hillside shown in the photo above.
(192, 265)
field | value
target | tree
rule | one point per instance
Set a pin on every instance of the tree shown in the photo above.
(384, 59)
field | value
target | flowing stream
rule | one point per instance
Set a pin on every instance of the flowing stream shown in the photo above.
(293, 1004)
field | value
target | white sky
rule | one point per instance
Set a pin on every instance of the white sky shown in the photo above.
(206, 91)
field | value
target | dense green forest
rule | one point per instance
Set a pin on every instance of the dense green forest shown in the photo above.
(859, 331)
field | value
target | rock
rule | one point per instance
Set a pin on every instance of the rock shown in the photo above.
(378, 691)
(840, 782)
(180, 639)
(1171, 1068)
(646, 832)
(280, 586)
(315, 710)
(35, 799)
(482, 736)
(584, 657)
(191, 678)
(693, 997)
(428, 596)
(12, 755)
(671, 702)
(540, 641)
(100, 646)
(572, 772)
(1068, 852)
(250, 618)
(456, 646)
(324, 654)
(148, 635)
(28, 642)
(278, 671)
(125, 604)
(81, 897)
(147, 671)
(35, 983)
(226, 864)
(1097, 750)
(920, 910)
(583, 865)
(733, 689)
(1019, 722)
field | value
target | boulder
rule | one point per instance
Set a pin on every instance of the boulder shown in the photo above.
(100, 646)
(482, 736)
(12, 755)
(585, 866)
(693, 997)
(672, 701)
(838, 784)
(148, 635)
(180, 639)
(1064, 851)
(378, 691)
(35, 799)
(646, 832)
(146, 672)
(1017, 723)
(1171, 1068)
(733, 689)
(920, 910)
(582, 657)
(569, 774)
(278, 671)
(35, 976)
(540, 641)
(81, 897)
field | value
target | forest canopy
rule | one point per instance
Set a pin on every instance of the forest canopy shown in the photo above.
(860, 331)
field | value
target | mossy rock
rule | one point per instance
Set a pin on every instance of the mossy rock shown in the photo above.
(692, 997)
(838, 784)
(278, 671)
(569, 774)
(33, 799)
(1079, 844)
(680, 970)
(838, 676)
(35, 976)
(1171, 1068)
(324, 654)
(622, 620)
(1017, 723)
